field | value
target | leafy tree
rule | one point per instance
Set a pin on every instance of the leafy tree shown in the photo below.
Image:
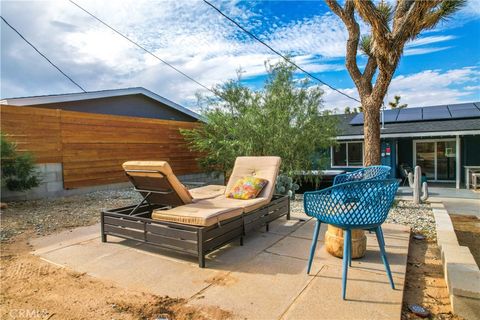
(391, 27)
(285, 118)
(349, 110)
(395, 104)
(18, 169)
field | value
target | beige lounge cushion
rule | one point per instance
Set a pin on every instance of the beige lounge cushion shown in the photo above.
(246, 205)
(198, 214)
(207, 192)
(153, 180)
(262, 167)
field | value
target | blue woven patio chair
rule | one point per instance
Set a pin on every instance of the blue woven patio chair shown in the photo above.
(367, 173)
(352, 205)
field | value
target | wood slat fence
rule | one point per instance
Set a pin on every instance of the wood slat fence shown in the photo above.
(92, 147)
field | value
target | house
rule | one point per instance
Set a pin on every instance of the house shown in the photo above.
(80, 140)
(442, 140)
(131, 102)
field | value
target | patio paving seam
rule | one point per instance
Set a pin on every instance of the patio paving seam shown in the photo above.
(47, 250)
(300, 293)
(284, 255)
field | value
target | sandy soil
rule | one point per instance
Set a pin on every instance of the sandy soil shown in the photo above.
(467, 229)
(34, 289)
(425, 284)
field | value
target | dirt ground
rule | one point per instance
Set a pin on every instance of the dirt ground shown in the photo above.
(424, 283)
(34, 289)
(467, 229)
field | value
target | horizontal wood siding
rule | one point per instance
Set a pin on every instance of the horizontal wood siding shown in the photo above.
(35, 130)
(92, 147)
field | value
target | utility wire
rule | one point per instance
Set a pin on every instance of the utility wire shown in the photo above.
(277, 52)
(38, 51)
(142, 48)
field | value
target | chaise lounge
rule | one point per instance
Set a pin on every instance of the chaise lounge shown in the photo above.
(196, 221)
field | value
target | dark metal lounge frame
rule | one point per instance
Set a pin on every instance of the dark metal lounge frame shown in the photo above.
(195, 240)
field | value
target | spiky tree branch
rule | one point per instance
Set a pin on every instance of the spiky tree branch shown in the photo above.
(391, 29)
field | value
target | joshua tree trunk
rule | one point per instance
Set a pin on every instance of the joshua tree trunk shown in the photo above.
(391, 27)
(371, 131)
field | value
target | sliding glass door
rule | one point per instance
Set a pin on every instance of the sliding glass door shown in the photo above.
(437, 158)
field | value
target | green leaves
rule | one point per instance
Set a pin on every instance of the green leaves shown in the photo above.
(18, 169)
(285, 119)
(365, 44)
(385, 10)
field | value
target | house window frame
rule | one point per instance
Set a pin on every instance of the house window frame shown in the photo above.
(332, 149)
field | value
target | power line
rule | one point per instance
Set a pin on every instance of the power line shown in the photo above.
(277, 52)
(45, 57)
(143, 48)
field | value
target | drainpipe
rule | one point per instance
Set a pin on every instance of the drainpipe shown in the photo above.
(457, 162)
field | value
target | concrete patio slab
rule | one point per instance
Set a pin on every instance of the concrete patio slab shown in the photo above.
(263, 279)
(396, 240)
(262, 288)
(369, 296)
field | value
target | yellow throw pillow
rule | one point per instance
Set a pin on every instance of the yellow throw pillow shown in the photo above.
(247, 188)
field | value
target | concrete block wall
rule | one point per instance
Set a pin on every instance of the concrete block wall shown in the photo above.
(462, 274)
(51, 184)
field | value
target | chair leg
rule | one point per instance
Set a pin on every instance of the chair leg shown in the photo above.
(381, 244)
(346, 249)
(350, 252)
(314, 245)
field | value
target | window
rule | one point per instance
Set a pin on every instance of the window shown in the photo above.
(347, 154)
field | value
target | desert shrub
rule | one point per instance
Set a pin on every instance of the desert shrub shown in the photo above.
(18, 169)
(285, 118)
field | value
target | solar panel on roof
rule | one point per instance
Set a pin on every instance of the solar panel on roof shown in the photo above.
(390, 115)
(456, 111)
(465, 110)
(437, 112)
(465, 113)
(414, 114)
(461, 106)
(358, 119)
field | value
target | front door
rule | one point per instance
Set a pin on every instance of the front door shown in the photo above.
(436, 158)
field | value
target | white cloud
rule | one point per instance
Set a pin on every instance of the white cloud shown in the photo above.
(418, 51)
(429, 40)
(425, 88)
(192, 37)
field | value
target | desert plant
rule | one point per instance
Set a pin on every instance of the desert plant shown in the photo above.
(285, 118)
(18, 169)
(395, 104)
(391, 27)
(286, 186)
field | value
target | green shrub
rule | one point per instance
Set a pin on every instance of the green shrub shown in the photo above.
(18, 169)
(285, 186)
(285, 118)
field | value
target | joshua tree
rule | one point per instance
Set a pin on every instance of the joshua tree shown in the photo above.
(391, 28)
(395, 104)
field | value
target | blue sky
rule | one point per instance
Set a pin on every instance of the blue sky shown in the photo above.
(441, 66)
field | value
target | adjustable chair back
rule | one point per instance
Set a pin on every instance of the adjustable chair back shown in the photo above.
(367, 173)
(156, 183)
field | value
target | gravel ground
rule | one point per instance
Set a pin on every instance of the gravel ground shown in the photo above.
(50, 215)
(46, 216)
(418, 217)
